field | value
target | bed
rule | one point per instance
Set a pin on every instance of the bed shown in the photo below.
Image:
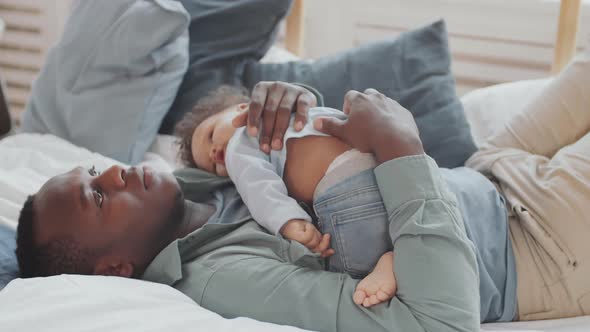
(46, 305)
(87, 303)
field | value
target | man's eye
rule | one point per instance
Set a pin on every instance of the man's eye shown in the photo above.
(98, 197)
(93, 172)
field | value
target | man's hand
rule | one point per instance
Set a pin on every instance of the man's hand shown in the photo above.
(375, 124)
(307, 234)
(273, 103)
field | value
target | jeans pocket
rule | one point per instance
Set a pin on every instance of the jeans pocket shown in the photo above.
(360, 237)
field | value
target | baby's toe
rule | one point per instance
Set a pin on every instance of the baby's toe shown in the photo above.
(383, 296)
(359, 296)
(374, 300)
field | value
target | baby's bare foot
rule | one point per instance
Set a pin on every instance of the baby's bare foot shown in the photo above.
(379, 286)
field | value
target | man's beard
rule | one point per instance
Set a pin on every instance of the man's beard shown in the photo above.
(168, 229)
(166, 232)
(176, 215)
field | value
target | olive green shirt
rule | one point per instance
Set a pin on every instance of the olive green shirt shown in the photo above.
(241, 270)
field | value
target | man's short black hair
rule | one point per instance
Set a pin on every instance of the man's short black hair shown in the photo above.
(59, 256)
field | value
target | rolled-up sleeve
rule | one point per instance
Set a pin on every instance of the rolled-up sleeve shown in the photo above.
(435, 262)
(435, 268)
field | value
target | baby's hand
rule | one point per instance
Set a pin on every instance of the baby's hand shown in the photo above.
(307, 234)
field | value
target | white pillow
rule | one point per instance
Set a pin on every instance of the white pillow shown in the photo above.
(98, 304)
(29, 160)
(489, 108)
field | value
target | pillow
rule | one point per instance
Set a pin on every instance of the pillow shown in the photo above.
(223, 36)
(8, 264)
(413, 69)
(112, 76)
(97, 304)
(488, 109)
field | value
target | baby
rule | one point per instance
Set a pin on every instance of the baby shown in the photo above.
(312, 169)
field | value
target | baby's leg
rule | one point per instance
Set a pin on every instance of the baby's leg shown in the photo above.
(352, 212)
(379, 286)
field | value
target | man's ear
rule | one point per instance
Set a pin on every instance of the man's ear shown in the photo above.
(110, 266)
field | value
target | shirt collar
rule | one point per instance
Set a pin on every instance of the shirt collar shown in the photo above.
(166, 268)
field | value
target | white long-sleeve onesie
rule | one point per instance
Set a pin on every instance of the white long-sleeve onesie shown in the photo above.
(258, 177)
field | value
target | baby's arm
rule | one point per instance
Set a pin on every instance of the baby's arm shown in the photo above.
(266, 195)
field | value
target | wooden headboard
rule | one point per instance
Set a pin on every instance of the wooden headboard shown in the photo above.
(565, 45)
(295, 25)
(569, 22)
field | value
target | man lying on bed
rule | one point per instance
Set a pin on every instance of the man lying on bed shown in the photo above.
(135, 223)
(508, 157)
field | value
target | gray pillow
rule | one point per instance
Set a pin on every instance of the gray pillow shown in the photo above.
(414, 69)
(224, 35)
(109, 81)
(8, 264)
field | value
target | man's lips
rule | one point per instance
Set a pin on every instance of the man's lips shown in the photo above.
(147, 177)
(220, 157)
(144, 175)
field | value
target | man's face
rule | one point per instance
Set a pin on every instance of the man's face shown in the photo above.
(126, 216)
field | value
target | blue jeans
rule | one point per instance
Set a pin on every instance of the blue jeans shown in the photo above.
(352, 212)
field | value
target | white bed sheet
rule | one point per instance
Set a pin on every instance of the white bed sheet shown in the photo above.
(97, 304)
(28, 160)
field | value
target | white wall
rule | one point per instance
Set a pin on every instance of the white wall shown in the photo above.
(492, 41)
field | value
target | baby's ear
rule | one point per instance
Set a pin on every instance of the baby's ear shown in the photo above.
(242, 107)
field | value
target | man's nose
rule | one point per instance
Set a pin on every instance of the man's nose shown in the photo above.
(113, 178)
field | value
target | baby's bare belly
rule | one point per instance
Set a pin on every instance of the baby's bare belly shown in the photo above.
(308, 158)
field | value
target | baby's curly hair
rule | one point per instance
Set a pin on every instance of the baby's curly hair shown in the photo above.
(215, 102)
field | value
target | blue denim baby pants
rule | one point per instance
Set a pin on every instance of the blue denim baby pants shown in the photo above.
(352, 212)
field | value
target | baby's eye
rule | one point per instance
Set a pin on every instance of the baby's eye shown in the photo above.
(98, 197)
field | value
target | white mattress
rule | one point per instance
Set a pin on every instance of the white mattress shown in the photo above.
(76, 303)
(98, 304)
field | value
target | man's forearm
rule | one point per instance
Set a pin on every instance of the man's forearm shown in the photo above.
(435, 263)
(384, 151)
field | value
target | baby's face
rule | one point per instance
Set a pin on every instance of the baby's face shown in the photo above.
(210, 140)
